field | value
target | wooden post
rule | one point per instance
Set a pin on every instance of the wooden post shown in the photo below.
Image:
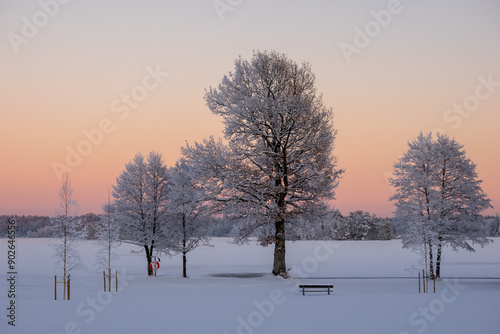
(434, 284)
(55, 287)
(116, 276)
(104, 277)
(419, 282)
(109, 280)
(69, 285)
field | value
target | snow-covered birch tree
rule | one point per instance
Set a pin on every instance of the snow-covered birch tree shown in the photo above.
(107, 232)
(188, 212)
(281, 139)
(67, 230)
(141, 198)
(438, 197)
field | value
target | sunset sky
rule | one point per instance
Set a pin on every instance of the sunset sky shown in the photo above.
(136, 71)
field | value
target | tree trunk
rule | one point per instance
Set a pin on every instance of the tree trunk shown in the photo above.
(184, 240)
(279, 266)
(438, 258)
(184, 269)
(149, 256)
(431, 261)
(65, 243)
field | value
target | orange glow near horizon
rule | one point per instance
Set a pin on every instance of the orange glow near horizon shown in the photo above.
(64, 82)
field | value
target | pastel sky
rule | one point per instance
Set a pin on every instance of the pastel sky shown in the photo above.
(389, 69)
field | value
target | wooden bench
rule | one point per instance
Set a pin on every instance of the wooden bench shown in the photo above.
(316, 288)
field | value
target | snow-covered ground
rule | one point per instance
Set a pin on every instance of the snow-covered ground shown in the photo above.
(231, 291)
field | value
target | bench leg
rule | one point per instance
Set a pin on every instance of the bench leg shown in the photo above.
(328, 290)
(303, 291)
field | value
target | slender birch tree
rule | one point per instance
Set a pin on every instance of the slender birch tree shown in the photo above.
(67, 230)
(107, 233)
(188, 212)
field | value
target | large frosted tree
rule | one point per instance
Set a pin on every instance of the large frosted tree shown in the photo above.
(140, 202)
(438, 198)
(281, 139)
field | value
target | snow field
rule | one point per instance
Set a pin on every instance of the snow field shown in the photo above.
(230, 291)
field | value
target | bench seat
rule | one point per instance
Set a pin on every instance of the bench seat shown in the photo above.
(316, 288)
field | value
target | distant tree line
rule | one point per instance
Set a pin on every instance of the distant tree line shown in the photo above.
(358, 225)
(39, 226)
